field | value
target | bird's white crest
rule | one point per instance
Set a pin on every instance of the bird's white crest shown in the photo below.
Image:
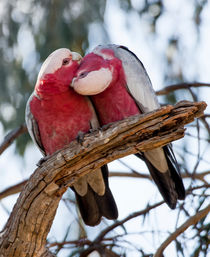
(55, 59)
(98, 50)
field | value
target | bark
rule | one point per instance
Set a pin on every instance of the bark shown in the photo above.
(30, 221)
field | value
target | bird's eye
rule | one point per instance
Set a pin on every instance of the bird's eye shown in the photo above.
(83, 74)
(66, 61)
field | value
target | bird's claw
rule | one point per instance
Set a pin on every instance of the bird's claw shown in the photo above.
(42, 160)
(80, 137)
(93, 130)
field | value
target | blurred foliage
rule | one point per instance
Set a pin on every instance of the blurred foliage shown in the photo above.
(46, 25)
(29, 32)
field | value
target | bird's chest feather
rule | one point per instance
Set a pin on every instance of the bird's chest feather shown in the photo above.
(60, 118)
(114, 104)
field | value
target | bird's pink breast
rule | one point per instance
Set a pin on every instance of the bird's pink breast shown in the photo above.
(60, 118)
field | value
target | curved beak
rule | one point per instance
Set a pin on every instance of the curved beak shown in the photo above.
(76, 57)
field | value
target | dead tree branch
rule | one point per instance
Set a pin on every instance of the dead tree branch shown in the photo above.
(32, 216)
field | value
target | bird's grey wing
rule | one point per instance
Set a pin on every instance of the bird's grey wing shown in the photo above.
(33, 127)
(160, 161)
(140, 88)
(138, 81)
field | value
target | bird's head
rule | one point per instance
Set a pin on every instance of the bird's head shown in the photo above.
(57, 71)
(97, 71)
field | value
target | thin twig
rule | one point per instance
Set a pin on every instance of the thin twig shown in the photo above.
(199, 176)
(97, 242)
(171, 88)
(11, 136)
(189, 190)
(13, 189)
(100, 237)
(80, 242)
(130, 175)
(191, 221)
(206, 115)
(188, 86)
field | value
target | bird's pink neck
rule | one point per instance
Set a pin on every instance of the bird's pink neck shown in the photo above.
(115, 103)
(49, 87)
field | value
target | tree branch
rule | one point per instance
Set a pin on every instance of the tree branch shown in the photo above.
(11, 136)
(171, 88)
(191, 221)
(126, 174)
(199, 176)
(32, 216)
(101, 236)
(13, 189)
(97, 242)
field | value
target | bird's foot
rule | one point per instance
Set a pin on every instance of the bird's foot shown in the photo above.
(106, 126)
(93, 130)
(80, 137)
(42, 160)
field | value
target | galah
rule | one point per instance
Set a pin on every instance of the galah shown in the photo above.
(120, 87)
(55, 115)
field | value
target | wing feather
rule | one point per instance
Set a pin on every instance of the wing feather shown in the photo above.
(32, 126)
(138, 81)
(160, 161)
(140, 87)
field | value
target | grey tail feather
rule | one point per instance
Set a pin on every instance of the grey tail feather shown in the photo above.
(93, 206)
(175, 171)
(169, 183)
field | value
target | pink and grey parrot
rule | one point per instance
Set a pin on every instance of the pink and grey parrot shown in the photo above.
(55, 114)
(119, 87)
